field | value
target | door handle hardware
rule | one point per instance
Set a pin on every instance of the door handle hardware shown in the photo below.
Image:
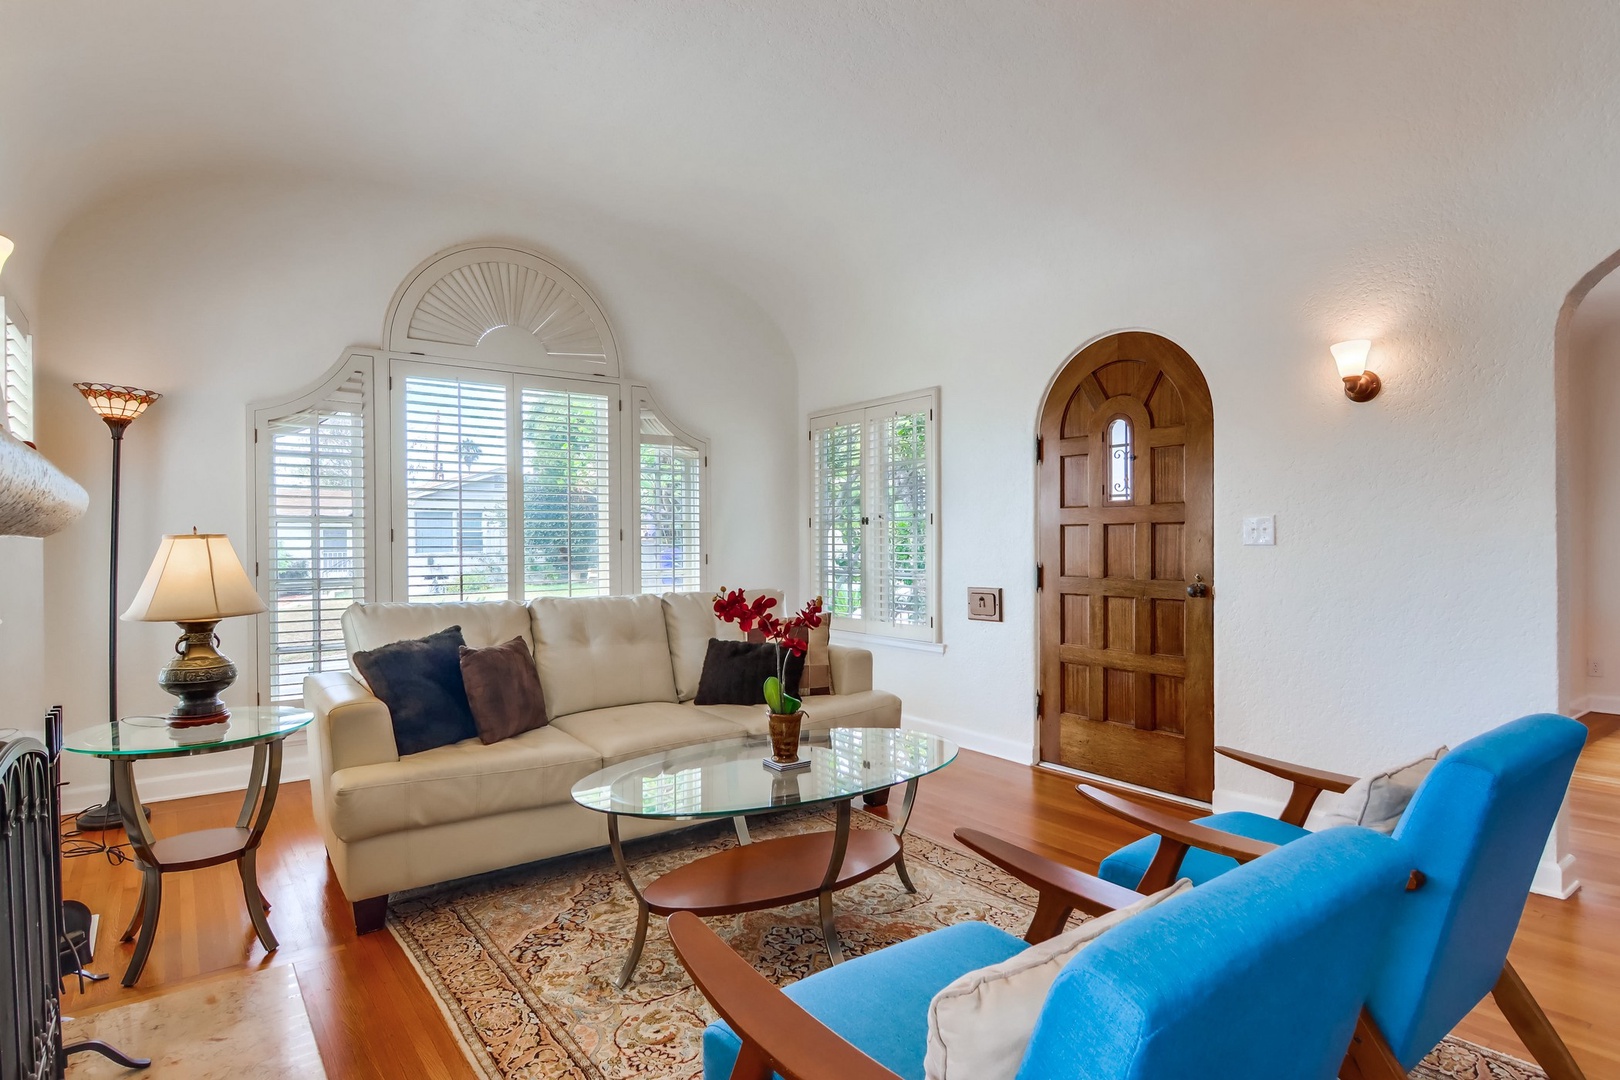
(1198, 590)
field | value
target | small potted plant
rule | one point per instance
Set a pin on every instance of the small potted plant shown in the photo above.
(785, 636)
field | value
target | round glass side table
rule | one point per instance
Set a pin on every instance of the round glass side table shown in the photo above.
(143, 738)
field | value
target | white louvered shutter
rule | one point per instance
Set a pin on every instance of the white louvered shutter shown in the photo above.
(313, 563)
(901, 559)
(836, 528)
(567, 434)
(18, 387)
(456, 470)
(669, 500)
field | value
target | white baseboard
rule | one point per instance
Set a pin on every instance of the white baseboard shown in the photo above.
(1603, 703)
(995, 745)
(182, 778)
(1556, 878)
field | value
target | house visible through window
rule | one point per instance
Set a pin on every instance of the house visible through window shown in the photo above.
(873, 521)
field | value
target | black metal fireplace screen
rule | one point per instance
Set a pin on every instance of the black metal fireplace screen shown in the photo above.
(31, 1040)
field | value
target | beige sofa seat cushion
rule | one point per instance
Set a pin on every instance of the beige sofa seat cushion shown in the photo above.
(601, 651)
(690, 621)
(370, 626)
(874, 708)
(459, 782)
(627, 731)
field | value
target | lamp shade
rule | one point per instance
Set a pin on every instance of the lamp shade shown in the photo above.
(116, 404)
(195, 577)
(1351, 357)
(6, 248)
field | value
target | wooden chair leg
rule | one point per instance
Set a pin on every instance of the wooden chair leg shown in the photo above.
(1370, 1057)
(1051, 915)
(1533, 1028)
(370, 914)
(751, 1064)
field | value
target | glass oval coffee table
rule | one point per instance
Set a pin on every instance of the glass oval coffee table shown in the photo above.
(730, 779)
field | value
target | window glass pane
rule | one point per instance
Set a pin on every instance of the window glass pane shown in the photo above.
(455, 474)
(668, 496)
(566, 499)
(1119, 460)
(316, 533)
(836, 518)
(902, 446)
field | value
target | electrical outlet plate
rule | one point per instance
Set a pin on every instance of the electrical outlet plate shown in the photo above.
(1594, 669)
(984, 605)
(1260, 531)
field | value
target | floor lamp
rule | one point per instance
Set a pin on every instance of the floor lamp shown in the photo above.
(118, 406)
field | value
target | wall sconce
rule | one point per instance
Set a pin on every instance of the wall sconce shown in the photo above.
(1359, 383)
(6, 248)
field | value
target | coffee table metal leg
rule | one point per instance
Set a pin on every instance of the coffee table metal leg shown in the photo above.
(634, 958)
(829, 932)
(741, 824)
(900, 831)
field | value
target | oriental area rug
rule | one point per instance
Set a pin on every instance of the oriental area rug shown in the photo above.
(522, 962)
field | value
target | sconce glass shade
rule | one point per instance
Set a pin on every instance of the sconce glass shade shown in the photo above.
(6, 248)
(1351, 356)
(117, 405)
(195, 577)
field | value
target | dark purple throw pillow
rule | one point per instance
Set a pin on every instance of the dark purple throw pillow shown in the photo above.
(420, 682)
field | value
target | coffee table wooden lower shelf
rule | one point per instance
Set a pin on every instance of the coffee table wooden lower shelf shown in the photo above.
(769, 873)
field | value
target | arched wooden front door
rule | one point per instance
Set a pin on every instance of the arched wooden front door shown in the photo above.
(1126, 540)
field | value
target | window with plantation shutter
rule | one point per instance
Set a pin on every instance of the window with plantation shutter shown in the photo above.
(313, 541)
(669, 503)
(17, 389)
(567, 491)
(874, 496)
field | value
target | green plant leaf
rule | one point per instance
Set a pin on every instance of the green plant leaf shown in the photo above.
(773, 694)
(790, 704)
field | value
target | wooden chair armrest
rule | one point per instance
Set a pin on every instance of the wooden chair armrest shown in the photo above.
(1175, 838)
(1062, 888)
(776, 1034)
(1308, 783)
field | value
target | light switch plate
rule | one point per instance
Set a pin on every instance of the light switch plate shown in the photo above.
(984, 605)
(1260, 531)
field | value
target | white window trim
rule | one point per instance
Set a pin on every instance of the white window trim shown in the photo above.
(928, 638)
(13, 315)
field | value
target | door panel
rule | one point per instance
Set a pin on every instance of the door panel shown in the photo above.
(1126, 502)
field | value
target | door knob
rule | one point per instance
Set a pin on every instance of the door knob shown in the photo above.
(1198, 590)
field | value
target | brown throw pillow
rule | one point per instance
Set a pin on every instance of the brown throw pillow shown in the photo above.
(817, 677)
(420, 682)
(503, 690)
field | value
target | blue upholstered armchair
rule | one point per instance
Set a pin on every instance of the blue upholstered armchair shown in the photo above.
(1225, 982)
(1474, 831)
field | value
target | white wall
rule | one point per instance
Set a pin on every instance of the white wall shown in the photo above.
(217, 293)
(1595, 392)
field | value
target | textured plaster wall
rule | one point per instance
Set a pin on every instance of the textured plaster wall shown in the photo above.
(1595, 468)
(221, 293)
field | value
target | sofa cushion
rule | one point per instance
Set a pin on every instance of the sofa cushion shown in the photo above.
(366, 626)
(420, 682)
(874, 708)
(458, 783)
(627, 731)
(503, 690)
(690, 623)
(601, 651)
(734, 673)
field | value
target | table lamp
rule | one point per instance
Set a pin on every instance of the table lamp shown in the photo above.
(196, 580)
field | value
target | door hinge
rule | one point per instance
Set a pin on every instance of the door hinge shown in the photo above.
(621, 535)
(255, 436)
(1040, 576)
(809, 436)
(1038, 709)
(255, 569)
(390, 382)
(390, 536)
(1040, 447)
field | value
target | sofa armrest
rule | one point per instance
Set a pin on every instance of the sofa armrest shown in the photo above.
(352, 727)
(851, 669)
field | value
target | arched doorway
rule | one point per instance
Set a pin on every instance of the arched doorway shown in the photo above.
(1126, 554)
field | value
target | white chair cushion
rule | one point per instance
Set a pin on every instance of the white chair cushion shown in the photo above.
(597, 652)
(980, 1025)
(1375, 802)
(690, 621)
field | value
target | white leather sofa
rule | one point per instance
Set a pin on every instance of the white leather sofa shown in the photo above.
(619, 675)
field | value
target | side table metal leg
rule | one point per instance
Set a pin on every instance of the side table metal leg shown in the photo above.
(152, 904)
(140, 840)
(835, 863)
(247, 866)
(135, 917)
(258, 802)
(642, 913)
(900, 831)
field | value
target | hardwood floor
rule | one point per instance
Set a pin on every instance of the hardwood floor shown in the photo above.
(373, 1017)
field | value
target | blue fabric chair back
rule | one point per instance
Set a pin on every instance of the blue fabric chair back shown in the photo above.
(1476, 828)
(1257, 975)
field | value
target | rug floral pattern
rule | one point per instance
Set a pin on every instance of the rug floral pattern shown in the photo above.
(522, 962)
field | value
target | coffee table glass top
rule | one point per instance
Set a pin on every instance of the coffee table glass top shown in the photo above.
(730, 778)
(148, 736)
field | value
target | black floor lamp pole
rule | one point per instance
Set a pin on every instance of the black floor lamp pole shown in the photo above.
(118, 406)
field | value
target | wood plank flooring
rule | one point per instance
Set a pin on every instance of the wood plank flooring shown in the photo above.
(373, 1018)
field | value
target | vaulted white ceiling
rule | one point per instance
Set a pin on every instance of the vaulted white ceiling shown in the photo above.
(822, 148)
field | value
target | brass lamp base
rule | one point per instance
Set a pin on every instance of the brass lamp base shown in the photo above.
(197, 676)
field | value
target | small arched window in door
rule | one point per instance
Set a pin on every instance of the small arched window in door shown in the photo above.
(1119, 460)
